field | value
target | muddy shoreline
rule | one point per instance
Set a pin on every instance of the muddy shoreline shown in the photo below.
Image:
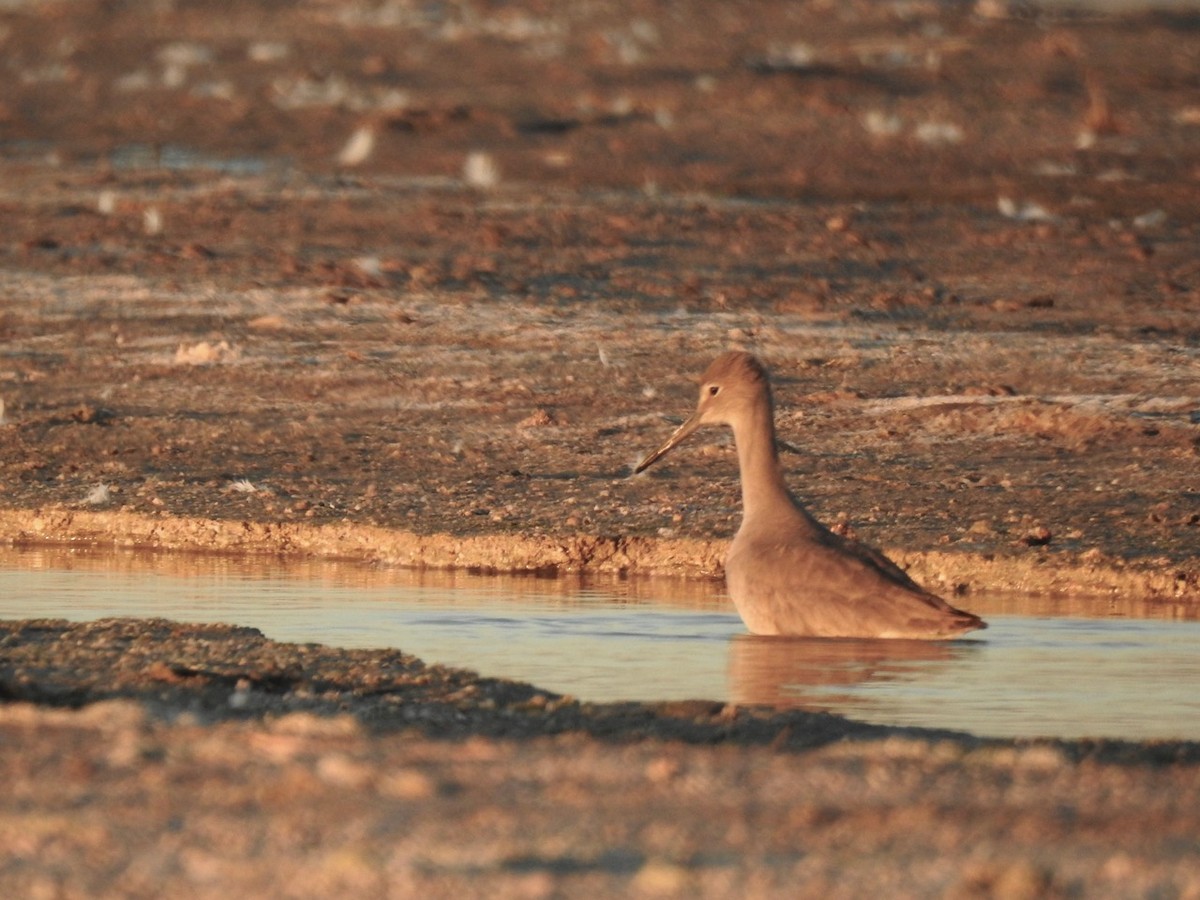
(575, 554)
(156, 755)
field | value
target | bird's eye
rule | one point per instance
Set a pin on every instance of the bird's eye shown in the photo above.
(713, 390)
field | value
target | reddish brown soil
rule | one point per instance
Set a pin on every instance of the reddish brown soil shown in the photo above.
(985, 341)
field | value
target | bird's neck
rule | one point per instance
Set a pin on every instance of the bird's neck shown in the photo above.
(763, 487)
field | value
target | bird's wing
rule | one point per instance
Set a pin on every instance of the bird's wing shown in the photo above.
(828, 586)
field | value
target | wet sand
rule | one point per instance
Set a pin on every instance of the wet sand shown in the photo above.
(417, 286)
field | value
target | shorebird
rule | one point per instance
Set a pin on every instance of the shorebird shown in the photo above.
(788, 574)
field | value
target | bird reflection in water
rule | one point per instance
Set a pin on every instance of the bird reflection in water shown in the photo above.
(806, 672)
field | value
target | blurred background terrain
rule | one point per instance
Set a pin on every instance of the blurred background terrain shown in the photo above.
(447, 267)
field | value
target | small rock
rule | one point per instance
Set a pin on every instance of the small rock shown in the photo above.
(91, 415)
(204, 353)
(152, 221)
(98, 495)
(1152, 219)
(1038, 536)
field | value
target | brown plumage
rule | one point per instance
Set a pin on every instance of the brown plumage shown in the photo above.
(786, 572)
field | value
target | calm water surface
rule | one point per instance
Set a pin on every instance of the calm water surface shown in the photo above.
(1041, 669)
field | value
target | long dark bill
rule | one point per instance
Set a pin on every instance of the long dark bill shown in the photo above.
(680, 435)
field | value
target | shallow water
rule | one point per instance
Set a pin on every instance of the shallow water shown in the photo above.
(1041, 669)
(186, 159)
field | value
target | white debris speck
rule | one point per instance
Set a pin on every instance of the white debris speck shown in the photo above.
(644, 30)
(106, 203)
(393, 100)
(1024, 212)
(140, 80)
(174, 76)
(152, 222)
(216, 89)
(184, 53)
(480, 170)
(3, 420)
(603, 356)
(98, 495)
(305, 92)
(359, 148)
(243, 486)
(267, 51)
(371, 266)
(934, 133)
(882, 124)
(1152, 219)
(50, 73)
(797, 55)
(627, 49)
(622, 106)
(178, 58)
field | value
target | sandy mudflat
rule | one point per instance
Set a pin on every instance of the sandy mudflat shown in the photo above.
(416, 283)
